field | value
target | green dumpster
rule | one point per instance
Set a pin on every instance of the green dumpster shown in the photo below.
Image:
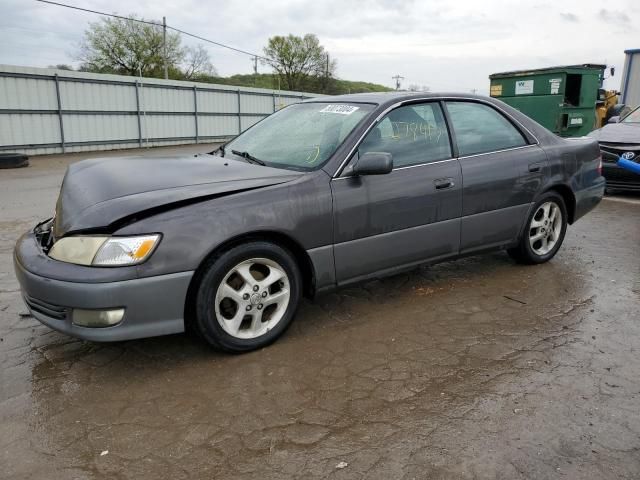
(563, 99)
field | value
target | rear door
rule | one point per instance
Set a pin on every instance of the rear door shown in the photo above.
(412, 214)
(501, 171)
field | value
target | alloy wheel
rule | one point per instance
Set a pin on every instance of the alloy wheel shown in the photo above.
(545, 228)
(252, 298)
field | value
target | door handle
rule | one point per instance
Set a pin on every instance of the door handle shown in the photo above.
(443, 183)
(535, 167)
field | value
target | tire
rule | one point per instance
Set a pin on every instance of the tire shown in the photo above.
(247, 296)
(13, 160)
(548, 236)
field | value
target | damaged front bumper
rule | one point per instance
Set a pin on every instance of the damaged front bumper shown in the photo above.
(57, 292)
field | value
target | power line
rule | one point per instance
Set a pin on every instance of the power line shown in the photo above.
(157, 25)
(216, 43)
(99, 13)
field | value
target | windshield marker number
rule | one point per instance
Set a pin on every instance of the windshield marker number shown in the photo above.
(341, 109)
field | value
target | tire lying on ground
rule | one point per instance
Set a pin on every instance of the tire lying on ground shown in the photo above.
(13, 160)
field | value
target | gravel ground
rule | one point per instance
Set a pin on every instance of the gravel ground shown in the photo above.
(475, 369)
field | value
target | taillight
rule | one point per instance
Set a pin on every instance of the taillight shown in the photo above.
(599, 167)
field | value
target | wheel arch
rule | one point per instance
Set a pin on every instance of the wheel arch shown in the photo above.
(569, 199)
(281, 239)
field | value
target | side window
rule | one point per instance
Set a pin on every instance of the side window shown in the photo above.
(413, 134)
(480, 129)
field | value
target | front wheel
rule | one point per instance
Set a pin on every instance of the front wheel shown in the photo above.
(247, 296)
(546, 227)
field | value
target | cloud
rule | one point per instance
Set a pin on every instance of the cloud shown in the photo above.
(441, 44)
(613, 16)
(570, 17)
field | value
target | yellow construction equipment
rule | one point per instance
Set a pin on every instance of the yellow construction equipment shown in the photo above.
(607, 106)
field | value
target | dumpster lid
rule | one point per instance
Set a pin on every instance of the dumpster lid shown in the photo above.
(583, 66)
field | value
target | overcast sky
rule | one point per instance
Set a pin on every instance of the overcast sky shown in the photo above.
(444, 45)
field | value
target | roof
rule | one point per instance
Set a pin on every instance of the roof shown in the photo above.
(583, 66)
(632, 51)
(380, 98)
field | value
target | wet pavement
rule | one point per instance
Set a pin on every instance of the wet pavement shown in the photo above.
(475, 369)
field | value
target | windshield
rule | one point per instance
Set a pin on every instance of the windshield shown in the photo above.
(633, 117)
(300, 137)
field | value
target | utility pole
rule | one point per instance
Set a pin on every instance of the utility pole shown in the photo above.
(474, 90)
(164, 47)
(326, 81)
(255, 70)
(397, 78)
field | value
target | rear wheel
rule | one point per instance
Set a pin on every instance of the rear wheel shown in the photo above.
(248, 296)
(546, 227)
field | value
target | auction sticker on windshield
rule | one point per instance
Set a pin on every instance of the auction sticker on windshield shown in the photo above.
(341, 109)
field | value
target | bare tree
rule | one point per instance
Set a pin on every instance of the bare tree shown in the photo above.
(197, 62)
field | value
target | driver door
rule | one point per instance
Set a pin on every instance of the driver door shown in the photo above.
(406, 217)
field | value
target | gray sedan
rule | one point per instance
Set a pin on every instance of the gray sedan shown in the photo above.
(321, 194)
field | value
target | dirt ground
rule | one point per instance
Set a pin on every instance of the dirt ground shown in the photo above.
(475, 369)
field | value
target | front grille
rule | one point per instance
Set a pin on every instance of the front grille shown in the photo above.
(45, 308)
(612, 152)
(620, 175)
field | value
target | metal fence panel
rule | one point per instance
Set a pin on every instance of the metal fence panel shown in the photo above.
(27, 93)
(46, 111)
(101, 128)
(31, 129)
(248, 121)
(221, 102)
(255, 104)
(217, 127)
(168, 126)
(102, 97)
(166, 100)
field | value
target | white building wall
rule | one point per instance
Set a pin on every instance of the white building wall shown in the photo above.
(630, 87)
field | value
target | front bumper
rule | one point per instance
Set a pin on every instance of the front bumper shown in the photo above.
(153, 305)
(620, 178)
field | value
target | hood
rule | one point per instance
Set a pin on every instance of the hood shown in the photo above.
(97, 193)
(628, 133)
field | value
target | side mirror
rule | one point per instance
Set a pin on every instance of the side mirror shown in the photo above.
(612, 71)
(373, 163)
(615, 119)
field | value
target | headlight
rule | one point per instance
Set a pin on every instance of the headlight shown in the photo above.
(104, 251)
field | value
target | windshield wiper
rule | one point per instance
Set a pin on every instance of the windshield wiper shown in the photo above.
(249, 157)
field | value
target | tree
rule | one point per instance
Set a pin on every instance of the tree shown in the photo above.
(197, 63)
(61, 66)
(294, 59)
(128, 47)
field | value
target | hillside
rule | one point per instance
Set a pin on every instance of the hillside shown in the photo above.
(313, 85)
